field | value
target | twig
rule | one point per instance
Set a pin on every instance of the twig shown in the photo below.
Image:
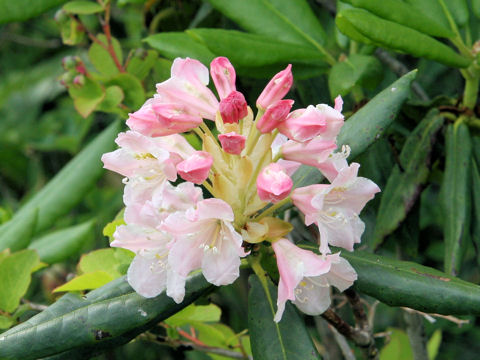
(34, 306)
(416, 335)
(108, 35)
(330, 349)
(400, 69)
(359, 337)
(430, 317)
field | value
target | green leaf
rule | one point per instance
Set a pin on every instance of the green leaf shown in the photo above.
(195, 313)
(15, 277)
(365, 126)
(434, 344)
(110, 228)
(476, 7)
(22, 10)
(179, 44)
(109, 260)
(357, 69)
(397, 37)
(131, 87)
(19, 231)
(475, 221)
(5, 322)
(68, 187)
(62, 244)
(89, 281)
(86, 97)
(82, 7)
(431, 8)
(71, 32)
(290, 21)
(459, 11)
(252, 50)
(107, 317)
(398, 348)
(401, 13)
(455, 194)
(287, 339)
(140, 65)
(403, 185)
(113, 97)
(404, 283)
(101, 57)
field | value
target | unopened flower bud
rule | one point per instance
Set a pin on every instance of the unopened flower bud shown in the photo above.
(232, 143)
(196, 168)
(274, 115)
(276, 89)
(223, 75)
(304, 124)
(69, 62)
(233, 108)
(79, 80)
(61, 16)
(66, 79)
(273, 183)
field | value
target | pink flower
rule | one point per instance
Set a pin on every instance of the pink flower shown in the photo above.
(274, 115)
(232, 143)
(335, 207)
(313, 152)
(304, 124)
(276, 89)
(223, 75)
(233, 107)
(196, 167)
(295, 265)
(188, 86)
(206, 239)
(273, 183)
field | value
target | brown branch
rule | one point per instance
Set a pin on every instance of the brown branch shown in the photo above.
(108, 35)
(360, 338)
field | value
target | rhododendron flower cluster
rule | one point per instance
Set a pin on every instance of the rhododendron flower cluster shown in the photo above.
(233, 185)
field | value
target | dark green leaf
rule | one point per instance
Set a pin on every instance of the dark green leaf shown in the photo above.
(403, 186)
(15, 272)
(179, 44)
(252, 50)
(476, 7)
(62, 244)
(402, 13)
(19, 232)
(69, 186)
(475, 164)
(397, 37)
(431, 8)
(132, 89)
(82, 7)
(459, 11)
(140, 65)
(357, 69)
(455, 194)
(366, 125)
(287, 339)
(291, 21)
(21, 10)
(111, 315)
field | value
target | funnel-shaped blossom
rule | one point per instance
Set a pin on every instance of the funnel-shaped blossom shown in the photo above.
(223, 76)
(232, 143)
(277, 88)
(335, 207)
(313, 152)
(188, 86)
(233, 108)
(274, 115)
(206, 239)
(196, 167)
(273, 183)
(295, 265)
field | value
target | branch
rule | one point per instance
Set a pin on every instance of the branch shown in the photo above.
(108, 35)
(359, 337)
(416, 335)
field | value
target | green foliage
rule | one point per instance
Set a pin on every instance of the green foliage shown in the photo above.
(24, 9)
(287, 339)
(398, 348)
(82, 7)
(100, 57)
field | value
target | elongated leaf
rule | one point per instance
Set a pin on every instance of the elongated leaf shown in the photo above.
(25, 9)
(431, 8)
(475, 164)
(405, 283)
(287, 339)
(108, 316)
(19, 232)
(68, 187)
(405, 14)
(291, 21)
(455, 194)
(398, 37)
(62, 244)
(82, 7)
(179, 44)
(366, 125)
(459, 11)
(252, 50)
(403, 185)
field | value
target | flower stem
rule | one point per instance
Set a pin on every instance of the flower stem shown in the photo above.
(471, 91)
(273, 208)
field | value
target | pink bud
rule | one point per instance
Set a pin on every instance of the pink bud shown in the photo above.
(232, 142)
(274, 115)
(304, 124)
(196, 168)
(223, 75)
(233, 107)
(338, 103)
(277, 88)
(273, 183)
(79, 80)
